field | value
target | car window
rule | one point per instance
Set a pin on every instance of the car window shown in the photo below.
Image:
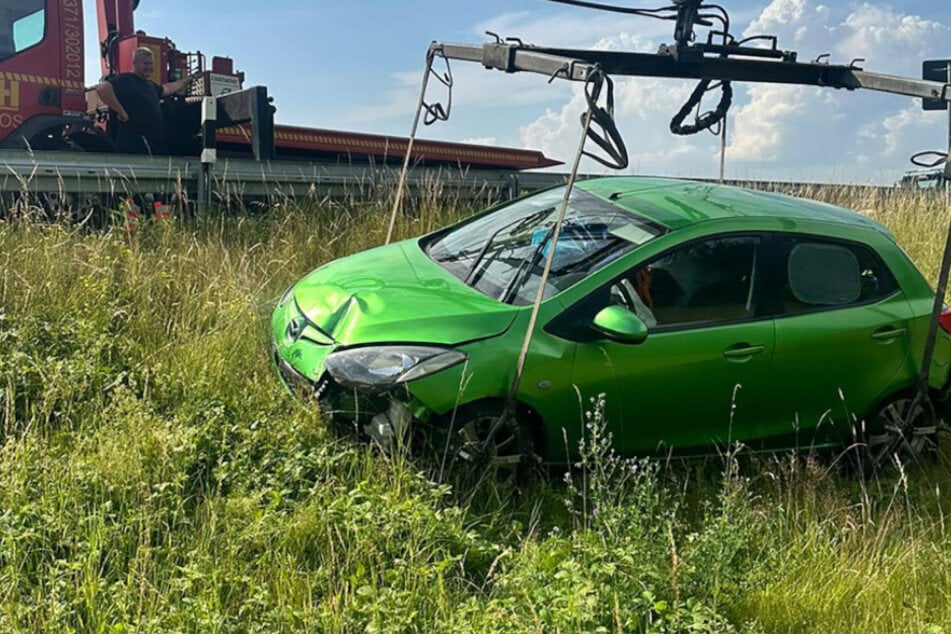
(704, 282)
(824, 274)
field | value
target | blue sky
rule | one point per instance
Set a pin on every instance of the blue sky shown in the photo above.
(356, 65)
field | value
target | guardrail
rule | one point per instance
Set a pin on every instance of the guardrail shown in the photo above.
(80, 173)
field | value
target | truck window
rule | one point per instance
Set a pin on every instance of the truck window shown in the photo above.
(22, 25)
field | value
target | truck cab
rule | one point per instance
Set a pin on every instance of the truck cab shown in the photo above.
(42, 90)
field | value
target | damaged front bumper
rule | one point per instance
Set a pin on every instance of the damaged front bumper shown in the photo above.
(383, 418)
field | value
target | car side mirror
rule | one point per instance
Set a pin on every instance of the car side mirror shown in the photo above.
(621, 324)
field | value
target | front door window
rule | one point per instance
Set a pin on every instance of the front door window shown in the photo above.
(706, 282)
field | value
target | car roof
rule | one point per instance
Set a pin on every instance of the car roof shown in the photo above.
(676, 203)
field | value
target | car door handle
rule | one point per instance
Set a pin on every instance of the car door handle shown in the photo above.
(889, 333)
(743, 351)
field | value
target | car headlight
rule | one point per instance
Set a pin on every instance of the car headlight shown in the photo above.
(377, 368)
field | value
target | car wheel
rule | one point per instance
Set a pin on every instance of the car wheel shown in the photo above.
(484, 437)
(901, 431)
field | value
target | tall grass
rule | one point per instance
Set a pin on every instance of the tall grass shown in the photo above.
(154, 477)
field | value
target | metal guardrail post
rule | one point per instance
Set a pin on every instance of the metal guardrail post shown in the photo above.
(514, 189)
(209, 151)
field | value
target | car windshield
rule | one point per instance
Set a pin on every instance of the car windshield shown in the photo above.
(502, 253)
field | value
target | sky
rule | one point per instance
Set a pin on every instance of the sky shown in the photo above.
(357, 65)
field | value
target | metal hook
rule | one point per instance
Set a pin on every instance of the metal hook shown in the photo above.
(436, 111)
(563, 71)
(918, 158)
(602, 128)
(567, 70)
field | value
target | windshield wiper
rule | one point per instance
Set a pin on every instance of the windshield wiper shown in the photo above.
(613, 249)
(538, 215)
(532, 261)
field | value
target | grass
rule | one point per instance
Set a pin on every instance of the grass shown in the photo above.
(155, 478)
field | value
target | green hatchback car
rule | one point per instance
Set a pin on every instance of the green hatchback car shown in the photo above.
(704, 314)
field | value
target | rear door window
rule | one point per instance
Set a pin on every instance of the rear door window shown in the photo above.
(822, 274)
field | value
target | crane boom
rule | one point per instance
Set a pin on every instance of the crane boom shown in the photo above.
(116, 21)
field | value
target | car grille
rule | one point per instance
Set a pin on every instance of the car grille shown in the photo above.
(298, 328)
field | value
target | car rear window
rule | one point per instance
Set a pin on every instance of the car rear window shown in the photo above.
(825, 274)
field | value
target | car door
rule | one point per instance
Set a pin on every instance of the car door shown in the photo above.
(842, 337)
(700, 376)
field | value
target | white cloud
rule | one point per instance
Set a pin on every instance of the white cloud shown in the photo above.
(909, 128)
(796, 130)
(888, 41)
(481, 140)
(643, 108)
(788, 125)
(798, 24)
(775, 131)
(473, 88)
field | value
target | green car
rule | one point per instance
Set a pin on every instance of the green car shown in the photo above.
(704, 314)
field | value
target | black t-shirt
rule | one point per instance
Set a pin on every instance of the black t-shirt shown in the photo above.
(144, 132)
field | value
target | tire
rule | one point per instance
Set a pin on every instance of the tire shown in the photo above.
(50, 141)
(901, 431)
(92, 140)
(462, 439)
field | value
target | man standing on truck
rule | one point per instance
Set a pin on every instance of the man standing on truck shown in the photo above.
(135, 99)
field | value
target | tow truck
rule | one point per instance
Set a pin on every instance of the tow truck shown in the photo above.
(49, 108)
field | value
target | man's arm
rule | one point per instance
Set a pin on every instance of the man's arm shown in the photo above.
(177, 86)
(108, 96)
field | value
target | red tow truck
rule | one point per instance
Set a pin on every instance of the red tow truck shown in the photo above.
(47, 103)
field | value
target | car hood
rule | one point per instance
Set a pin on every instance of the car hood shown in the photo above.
(397, 294)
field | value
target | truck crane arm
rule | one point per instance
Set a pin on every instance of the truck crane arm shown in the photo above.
(722, 58)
